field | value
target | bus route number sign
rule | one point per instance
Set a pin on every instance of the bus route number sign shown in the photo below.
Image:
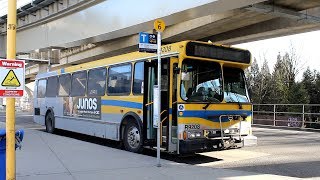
(12, 75)
(159, 25)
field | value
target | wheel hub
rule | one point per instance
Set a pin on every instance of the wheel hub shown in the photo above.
(133, 137)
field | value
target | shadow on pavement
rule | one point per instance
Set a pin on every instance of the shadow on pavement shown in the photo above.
(191, 159)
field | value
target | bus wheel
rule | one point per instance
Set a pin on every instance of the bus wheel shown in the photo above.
(49, 123)
(132, 138)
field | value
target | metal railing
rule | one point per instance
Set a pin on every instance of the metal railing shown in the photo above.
(288, 115)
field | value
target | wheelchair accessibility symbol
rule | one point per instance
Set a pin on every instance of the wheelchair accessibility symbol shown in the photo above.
(181, 107)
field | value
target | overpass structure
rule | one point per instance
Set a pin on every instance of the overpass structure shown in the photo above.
(69, 32)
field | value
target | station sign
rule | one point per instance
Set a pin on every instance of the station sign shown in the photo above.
(12, 78)
(156, 106)
(147, 42)
(159, 25)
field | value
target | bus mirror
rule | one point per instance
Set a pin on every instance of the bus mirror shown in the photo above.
(189, 68)
(177, 70)
(185, 76)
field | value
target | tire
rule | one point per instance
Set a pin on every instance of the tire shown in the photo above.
(132, 138)
(50, 123)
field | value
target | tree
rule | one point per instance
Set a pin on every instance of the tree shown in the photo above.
(262, 84)
(251, 75)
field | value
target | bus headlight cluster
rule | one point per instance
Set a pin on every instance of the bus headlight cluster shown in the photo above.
(194, 134)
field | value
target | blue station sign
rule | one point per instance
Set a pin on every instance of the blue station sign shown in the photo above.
(147, 42)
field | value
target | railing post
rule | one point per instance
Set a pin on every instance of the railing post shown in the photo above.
(274, 115)
(302, 116)
(251, 113)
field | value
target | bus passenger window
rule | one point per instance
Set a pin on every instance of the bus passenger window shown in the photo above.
(52, 85)
(138, 78)
(119, 79)
(42, 88)
(64, 85)
(79, 83)
(97, 82)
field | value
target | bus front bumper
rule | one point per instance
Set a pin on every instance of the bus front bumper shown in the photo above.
(199, 145)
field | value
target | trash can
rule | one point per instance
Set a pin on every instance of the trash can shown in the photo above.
(19, 137)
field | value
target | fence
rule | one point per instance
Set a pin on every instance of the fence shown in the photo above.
(289, 115)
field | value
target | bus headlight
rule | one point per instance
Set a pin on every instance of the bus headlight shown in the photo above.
(194, 134)
(198, 134)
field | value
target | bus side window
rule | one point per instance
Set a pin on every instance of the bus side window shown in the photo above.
(64, 85)
(52, 84)
(79, 83)
(42, 83)
(138, 78)
(119, 79)
(97, 82)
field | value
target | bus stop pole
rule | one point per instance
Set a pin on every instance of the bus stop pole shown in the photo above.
(10, 102)
(159, 105)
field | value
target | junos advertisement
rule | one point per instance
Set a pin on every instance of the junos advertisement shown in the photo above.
(84, 107)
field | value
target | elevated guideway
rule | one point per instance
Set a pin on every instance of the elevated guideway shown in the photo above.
(70, 32)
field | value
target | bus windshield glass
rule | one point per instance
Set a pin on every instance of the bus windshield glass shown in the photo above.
(201, 81)
(234, 85)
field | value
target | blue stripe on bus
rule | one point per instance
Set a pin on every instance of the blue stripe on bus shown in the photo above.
(214, 115)
(127, 104)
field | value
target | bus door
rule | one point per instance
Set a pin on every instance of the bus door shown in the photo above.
(149, 133)
(150, 79)
(173, 93)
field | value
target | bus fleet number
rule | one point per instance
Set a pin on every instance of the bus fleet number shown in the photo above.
(166, 49)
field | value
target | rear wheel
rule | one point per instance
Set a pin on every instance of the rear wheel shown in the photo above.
(132, 138)
(50, 123)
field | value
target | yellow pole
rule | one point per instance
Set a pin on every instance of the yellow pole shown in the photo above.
(10, 107)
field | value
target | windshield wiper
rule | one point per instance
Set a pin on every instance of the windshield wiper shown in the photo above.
(207, 105)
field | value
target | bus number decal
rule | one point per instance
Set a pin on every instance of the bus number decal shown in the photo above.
(166, 49)
(192, 126)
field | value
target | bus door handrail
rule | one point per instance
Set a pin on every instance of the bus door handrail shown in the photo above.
(148, 104)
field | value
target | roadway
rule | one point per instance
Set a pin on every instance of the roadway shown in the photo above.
(281, 152)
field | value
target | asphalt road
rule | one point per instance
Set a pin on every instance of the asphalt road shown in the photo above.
(280, 152)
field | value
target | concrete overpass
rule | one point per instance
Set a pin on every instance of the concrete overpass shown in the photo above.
(74, 31)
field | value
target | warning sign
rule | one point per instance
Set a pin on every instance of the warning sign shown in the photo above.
(12, 75)
(11, 80)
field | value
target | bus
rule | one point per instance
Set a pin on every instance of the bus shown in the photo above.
(205, 104)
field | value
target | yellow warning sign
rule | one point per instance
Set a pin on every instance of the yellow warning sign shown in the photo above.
(11, 80)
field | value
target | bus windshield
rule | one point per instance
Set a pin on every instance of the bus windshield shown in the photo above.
(234, 85)
(201, 81)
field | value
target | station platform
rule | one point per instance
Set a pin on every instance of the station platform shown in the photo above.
(48, 156)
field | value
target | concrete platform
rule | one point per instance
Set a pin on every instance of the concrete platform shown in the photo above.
(47, 156)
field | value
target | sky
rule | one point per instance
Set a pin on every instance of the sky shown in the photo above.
(4, 5)
(306, 46)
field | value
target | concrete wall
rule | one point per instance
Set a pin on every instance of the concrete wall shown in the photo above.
(2, 46)
(116, 18)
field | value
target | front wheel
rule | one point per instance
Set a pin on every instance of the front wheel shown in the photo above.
(132, 138)
(50, 123)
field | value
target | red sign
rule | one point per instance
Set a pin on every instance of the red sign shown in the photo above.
(11, 64)
(12, 75)
(11, 93)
